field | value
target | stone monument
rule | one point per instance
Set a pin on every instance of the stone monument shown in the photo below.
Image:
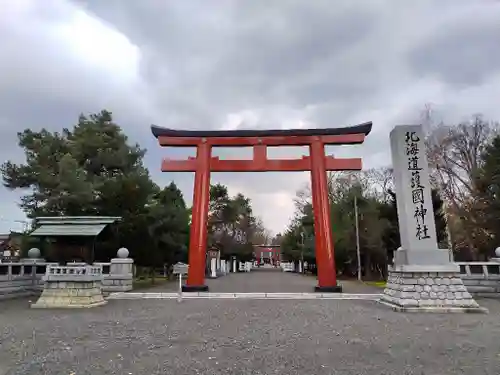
(422, 277)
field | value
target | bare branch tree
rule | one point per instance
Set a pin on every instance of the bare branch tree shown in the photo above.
(380, 181)
(454, 154)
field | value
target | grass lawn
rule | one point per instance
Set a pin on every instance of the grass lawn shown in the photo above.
(380, 284)
(146, 282)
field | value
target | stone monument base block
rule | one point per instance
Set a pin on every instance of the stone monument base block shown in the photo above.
(430, 257)
(70, 295)
(71, 287)
(425, 288)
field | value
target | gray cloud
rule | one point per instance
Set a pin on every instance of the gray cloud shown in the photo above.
(245, 64)
(466, 55)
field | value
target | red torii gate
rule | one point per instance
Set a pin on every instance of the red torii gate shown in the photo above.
(275, 251)
(317, 163)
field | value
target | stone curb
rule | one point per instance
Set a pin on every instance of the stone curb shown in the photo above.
(435, 309)
(280, 296)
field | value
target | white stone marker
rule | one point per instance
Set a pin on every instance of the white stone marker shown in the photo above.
(213, 267)
(423, 278)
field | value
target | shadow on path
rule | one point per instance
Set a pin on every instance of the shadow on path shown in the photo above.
(276, 281)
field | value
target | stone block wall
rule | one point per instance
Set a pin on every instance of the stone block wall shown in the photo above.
(112, 283)
(120, 276)
(482, 279)
(427, 290)
(25, 278)
(71, 287)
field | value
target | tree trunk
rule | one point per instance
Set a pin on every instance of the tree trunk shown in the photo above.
(153, 275)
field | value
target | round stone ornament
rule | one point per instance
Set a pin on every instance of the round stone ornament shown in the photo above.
(34, 253)
(122, 252)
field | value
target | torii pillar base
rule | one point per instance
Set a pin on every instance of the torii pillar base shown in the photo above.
(194, 288)
(328, 289)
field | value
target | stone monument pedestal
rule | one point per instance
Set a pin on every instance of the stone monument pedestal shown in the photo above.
(71, 287)
(428, 288)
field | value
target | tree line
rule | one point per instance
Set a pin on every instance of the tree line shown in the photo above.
(377, 222)
(464, 162)
(93, 169)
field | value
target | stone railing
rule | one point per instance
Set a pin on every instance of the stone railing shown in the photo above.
(81, 272)
(482, 279)
(25, 278)
(22, 279)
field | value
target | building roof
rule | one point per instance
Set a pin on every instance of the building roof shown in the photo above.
(81, 226)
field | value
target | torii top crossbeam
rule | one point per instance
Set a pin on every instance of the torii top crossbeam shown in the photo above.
(275, 137)
(260, 140)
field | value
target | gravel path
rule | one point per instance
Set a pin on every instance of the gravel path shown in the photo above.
(246, 337)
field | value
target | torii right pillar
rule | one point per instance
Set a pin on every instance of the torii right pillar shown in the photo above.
(325, 254)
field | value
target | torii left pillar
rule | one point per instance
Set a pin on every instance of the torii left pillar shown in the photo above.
(199, 220)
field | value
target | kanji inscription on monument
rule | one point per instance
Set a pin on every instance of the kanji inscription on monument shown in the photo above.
(417, 189)
(413, 190)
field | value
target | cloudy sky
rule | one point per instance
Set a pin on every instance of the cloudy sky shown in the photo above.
(207, 64)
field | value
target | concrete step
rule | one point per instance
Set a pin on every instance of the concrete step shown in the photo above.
(280, 296)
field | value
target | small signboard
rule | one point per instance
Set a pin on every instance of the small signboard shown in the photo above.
(6, 257)
(212, 253)
(180, 268)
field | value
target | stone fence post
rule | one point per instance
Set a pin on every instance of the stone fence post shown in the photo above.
(496, 259)
(120, 275)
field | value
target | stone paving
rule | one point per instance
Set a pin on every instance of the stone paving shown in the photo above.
(274, 281)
